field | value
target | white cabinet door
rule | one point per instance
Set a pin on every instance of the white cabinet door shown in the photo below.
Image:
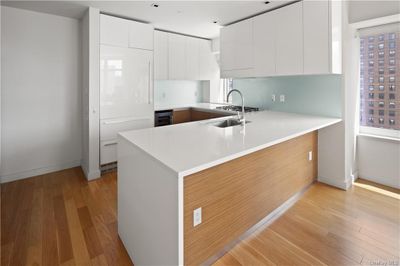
(126, 82)
(237, 46)
(176, 56)
(316, 37)
(265, 27)
(289, 40)
(141, 35)
(160, 55)
(192, 58)
(208, 66)
(114, 31)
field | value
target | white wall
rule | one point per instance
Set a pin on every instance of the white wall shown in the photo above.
(90, 93)
(41, 93)
(364, 10)
(379, 160)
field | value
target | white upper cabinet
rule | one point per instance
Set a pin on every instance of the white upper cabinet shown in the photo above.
(192, 58)
(316, 37)
(265, 27)
(237, 46)
(289, 40)
(301, 38)
(176, 56)
(160, 55)
(208, 66)
(114, 31)
(322, 37)
(140, 35)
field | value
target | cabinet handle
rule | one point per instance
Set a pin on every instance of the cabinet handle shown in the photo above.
(111, 144)
(149, 101)
(126, 120)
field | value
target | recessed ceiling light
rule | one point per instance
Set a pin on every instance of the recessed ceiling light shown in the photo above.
(267, 2)
(154, 5)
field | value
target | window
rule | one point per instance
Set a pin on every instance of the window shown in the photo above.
(379, 75)
(226, 85)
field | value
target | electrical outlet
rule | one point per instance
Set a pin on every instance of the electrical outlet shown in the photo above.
(310, 155)
(273, 97)
(196, 217)
(282, 98)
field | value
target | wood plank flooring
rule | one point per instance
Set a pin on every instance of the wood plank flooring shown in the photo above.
(61, 219)
(328, 226)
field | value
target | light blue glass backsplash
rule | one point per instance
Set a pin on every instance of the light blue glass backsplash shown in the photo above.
(175, 92)
(314, 95)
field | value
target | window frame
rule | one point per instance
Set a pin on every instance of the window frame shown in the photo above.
(370, 130)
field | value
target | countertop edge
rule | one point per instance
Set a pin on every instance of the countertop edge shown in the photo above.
(196, 169)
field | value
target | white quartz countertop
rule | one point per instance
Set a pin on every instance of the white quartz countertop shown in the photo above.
(191, 147)
(189, 105)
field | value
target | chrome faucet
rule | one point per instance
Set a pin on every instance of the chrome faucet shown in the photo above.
(241, 119)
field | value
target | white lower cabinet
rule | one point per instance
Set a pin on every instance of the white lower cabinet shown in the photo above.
(109, 129)
(108, 151)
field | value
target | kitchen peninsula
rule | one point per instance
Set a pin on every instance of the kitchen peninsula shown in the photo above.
(187, 191)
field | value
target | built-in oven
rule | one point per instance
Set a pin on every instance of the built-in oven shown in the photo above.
(163, 118)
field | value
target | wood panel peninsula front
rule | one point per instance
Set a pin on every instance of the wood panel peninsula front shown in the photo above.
(237, 177)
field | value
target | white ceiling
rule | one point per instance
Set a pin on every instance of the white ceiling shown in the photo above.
(187, 17)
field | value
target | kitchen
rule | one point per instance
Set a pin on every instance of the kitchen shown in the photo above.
(179, 133)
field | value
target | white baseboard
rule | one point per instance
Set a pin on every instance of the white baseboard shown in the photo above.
(336, 183)
(38, 171)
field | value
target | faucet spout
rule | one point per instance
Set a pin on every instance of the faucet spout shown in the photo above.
(241, 119)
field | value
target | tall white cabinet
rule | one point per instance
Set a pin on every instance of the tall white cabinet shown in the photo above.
(298, 39)
(126, 81)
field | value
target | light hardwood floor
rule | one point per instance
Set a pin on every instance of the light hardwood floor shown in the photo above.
(61, 219)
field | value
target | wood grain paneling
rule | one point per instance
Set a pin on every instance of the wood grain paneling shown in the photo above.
(236, 195)
(197, 115)
(181, 116)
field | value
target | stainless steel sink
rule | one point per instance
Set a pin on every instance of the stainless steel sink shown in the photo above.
(229, 123)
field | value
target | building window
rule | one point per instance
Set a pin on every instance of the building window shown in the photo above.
(379, 102)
